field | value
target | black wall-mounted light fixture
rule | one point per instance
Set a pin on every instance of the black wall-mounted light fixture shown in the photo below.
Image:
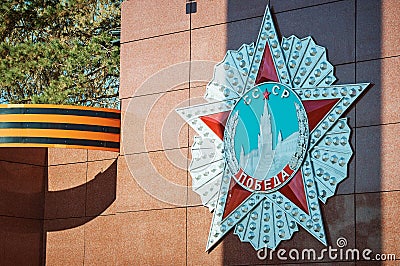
(191, 7)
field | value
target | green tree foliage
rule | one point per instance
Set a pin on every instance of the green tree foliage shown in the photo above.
(59, 52)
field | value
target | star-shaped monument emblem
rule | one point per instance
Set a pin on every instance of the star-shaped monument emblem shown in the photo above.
(272, 142)
(266, 94)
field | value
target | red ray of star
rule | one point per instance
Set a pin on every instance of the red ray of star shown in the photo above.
(216, 122)
(316, 110)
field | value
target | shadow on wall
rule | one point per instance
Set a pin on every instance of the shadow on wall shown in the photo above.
(347, 214)
(23, 193)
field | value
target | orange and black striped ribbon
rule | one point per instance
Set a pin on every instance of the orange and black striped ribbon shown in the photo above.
(42, 125)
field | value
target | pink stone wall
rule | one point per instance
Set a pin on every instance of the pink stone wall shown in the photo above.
(75, 207)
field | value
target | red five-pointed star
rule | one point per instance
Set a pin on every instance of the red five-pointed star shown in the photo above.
(266, 94)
